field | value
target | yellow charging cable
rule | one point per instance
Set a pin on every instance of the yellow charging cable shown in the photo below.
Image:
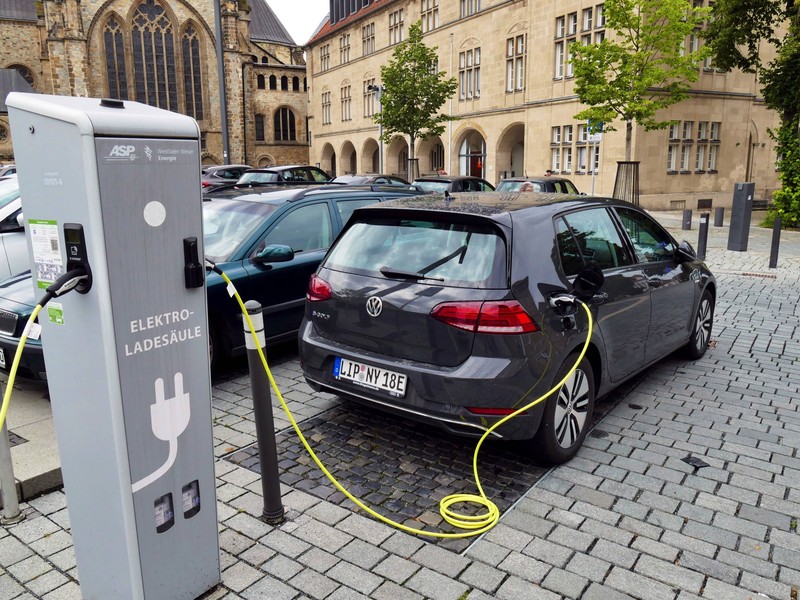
(473, 524)
(12, 374)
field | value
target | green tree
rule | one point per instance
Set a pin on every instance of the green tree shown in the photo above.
(413, 92)
(641, 67)
(735, 36)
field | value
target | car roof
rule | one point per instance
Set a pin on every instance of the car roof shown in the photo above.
(279, 195)
(448, 178)
(543, 178)
(488, 204)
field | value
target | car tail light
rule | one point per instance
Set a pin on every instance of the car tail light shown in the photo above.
(205, 183)
(500, 317)
(318, 289)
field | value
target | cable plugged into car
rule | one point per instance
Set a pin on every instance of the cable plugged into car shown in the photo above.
(472, 525)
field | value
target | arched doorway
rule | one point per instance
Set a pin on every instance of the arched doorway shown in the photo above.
(369, 157)
(472, 154)
(511, 152)
(431, 155)
(348, 159)
(397, 158)
(328, 160)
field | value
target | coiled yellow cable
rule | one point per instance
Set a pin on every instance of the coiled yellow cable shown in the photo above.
(472, 524)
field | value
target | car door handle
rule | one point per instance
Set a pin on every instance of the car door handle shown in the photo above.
(599, 298)
(654, 282)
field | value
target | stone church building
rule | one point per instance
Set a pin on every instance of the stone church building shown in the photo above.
(163, 53)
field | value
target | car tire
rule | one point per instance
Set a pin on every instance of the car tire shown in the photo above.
(701, 328)
(567, 415)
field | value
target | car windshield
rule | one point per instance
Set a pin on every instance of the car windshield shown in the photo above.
(259, 177)
(227, 224)
(431, 251)
(9, 191)
(509, 186)
(432, 186)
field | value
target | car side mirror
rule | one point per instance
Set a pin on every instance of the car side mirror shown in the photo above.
(588, 281)
(273, 253)
(21, 220)
(685, 252)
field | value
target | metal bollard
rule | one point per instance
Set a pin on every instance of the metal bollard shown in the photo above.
(702, 236)
(719, 216)
(273, 512)
(8, 484)
(776, 242)
(687, 219)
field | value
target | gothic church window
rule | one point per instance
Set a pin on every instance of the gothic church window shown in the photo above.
(192, 79)
(115, 60)
(153, 45)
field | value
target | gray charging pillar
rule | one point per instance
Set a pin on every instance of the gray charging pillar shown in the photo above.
(127, 360)
(741, 212)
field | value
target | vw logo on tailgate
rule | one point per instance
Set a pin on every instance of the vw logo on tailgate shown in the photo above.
(374, 306)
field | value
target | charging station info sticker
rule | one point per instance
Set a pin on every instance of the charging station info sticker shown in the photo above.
(46, 251)
(55, 313)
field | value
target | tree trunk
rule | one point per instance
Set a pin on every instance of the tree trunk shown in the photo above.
(628, 139)
(409, 167)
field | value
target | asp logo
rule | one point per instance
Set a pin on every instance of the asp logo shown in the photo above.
(122, 152)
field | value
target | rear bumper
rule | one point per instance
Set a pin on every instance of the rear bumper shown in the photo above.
(31, 363)
(436, 395)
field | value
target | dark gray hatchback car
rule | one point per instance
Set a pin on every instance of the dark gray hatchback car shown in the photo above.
(458, 312)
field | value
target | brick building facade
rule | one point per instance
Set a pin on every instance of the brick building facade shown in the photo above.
(163, 53)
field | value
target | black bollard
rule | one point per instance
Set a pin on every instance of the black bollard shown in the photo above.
(719, 216)
(702, 236)
(776, 241)
(687, 219)
(273, 512)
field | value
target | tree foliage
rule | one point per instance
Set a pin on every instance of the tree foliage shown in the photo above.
(414, 90)
(642, 66)
(735, 36)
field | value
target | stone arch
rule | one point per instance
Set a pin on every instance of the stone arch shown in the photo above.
(348, 158)
(265, 160)
(328, 160)
(471, 148)
(510, 152)
(431, 155)
(396, 157)
(370, 161)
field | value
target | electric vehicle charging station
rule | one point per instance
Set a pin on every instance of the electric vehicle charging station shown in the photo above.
(112, 188)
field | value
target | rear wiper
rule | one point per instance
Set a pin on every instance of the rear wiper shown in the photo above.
(394, 274)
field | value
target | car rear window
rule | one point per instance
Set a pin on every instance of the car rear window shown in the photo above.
(444, 252)
(432, 186)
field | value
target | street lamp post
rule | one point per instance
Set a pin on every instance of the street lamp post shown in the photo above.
(378, 90)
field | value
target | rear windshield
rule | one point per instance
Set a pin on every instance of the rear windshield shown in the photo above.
(441, 252)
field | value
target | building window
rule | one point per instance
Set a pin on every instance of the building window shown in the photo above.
(586, 22)
(153, 46)
(285, 83)
(437, 157)
(685, 156)
(555, 135)
(567, 134)
(700, 159)
(559, 68)
(326, 108)
(273, 82)
(430, 14)
(115, 60)
(324, 57)
(673, 131)
(295, 84)
(469, 74)
(596, 161)
(555, 160)
(600, 16)
(566, 160)
(583, 133)
(688, 129)
(572, 23)
(582, 162)
(192, 79)
(599, 36)
(344, 49)
(285, 126)
(702, 131)
(369, 97)
(469, 7)
(259, 128)
(715, 125)
(712, 158)
(395, 27)
(672, 157)
(515, 63)
(560, 21)
(345, 96)
(261, 82)
(368, 39)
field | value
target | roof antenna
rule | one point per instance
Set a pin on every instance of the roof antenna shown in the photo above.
(447, 198)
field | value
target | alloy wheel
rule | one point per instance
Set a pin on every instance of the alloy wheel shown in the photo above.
(571, 409)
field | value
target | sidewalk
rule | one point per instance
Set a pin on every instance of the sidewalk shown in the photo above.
(627, 518)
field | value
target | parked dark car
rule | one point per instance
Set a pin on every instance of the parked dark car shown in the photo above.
(288, 173)
(8, 170)
(557, 185)
(453, 183)
(268, 242)
(459, 312)
(377, 179)
(217, 175)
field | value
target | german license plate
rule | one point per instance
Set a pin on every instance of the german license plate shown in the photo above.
(371, 377)
(2, 359)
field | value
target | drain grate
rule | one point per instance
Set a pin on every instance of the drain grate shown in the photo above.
(15, 440)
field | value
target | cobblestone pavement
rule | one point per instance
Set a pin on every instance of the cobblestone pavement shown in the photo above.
(627, 518)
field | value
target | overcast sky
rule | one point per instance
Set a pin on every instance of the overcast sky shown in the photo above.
(300, 17)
